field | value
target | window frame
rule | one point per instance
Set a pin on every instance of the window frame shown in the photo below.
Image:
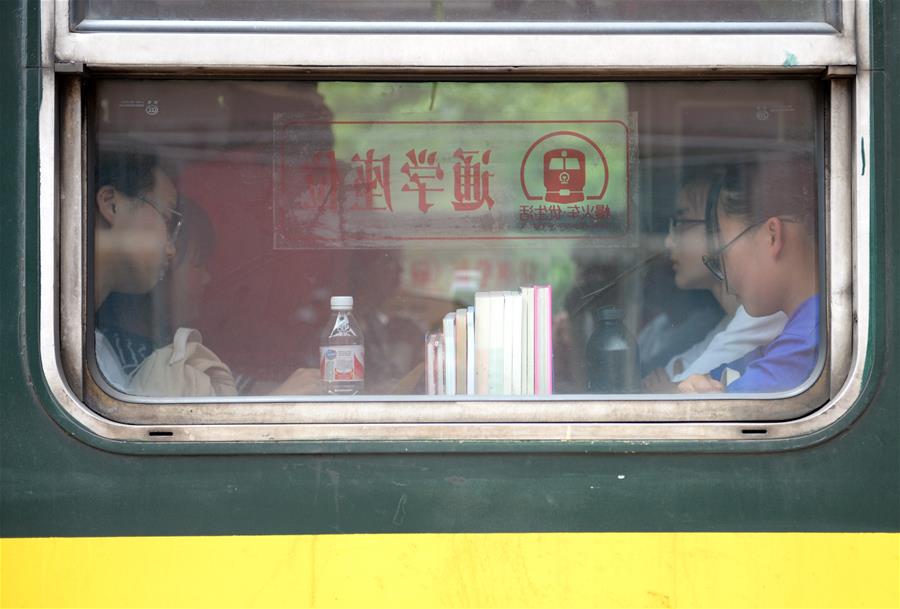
(62, 149)
(78, 22)
(623, 50)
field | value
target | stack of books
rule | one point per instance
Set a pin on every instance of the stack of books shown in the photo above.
(501, 346)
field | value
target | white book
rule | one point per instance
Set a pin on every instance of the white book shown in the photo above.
(513, 312)
(481, 312)
(496, 362)
(508, 306)
(528, 340)
(450, 353)
(470, 349)
(462, 349)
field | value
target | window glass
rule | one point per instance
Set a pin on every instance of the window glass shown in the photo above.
(497, 239)
(462, 10)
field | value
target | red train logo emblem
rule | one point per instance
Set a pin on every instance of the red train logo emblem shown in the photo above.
(574, 169)
(564, 175)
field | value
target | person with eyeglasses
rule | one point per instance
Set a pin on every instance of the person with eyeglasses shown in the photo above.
(736, 333)
(136, 222)
(136, 225)
(137, 324)
(765, 254)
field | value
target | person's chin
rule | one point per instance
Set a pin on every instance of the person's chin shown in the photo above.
(754, 311)
(683, 283)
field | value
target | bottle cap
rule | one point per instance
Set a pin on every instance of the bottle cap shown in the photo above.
(343, 303)
(609, 313)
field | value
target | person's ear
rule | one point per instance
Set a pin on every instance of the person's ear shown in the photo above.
(107, 207)
(774, 231)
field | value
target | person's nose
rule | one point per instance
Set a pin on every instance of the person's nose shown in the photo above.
(170, 249)
(670, 240)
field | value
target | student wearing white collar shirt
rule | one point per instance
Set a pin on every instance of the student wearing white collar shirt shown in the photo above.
(738, 333)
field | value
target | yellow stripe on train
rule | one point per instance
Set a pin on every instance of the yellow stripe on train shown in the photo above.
(456, 570)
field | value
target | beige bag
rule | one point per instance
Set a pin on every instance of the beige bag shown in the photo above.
(184, 368)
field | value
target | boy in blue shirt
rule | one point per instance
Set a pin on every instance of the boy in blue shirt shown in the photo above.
(767, 256)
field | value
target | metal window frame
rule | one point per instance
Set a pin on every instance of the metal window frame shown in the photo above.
(63, 250)
(76, 10)
(143, 45)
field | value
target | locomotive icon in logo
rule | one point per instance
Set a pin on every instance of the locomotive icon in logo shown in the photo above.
(574, 169)
(564, 175)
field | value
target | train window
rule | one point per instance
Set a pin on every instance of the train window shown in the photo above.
(389, 230)
(435, 16)
(242, 208)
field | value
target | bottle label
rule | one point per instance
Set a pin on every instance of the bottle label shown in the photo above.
(343, 363)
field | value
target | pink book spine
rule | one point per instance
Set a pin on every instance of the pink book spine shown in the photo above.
(534, 349)
(550, 340)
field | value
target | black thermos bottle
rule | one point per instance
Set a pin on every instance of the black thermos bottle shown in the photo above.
(611, 355)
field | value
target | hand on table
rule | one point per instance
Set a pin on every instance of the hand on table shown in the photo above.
(700, 383)
(658, 382)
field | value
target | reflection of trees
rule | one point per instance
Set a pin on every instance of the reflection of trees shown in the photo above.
(454, 101)
(449, 101)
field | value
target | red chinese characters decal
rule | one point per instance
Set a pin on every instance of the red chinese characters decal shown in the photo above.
(373, 180)
(471, 183)
(422, 169)
(425, 182)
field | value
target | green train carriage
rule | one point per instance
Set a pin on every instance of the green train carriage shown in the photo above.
(113, 498)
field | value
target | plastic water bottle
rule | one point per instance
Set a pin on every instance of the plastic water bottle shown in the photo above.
(342, 352)
(611, 355)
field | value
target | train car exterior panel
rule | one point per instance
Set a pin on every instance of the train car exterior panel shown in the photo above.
(803, 522)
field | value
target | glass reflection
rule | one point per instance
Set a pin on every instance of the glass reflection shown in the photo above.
(415, 198)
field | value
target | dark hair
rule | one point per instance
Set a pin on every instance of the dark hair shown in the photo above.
(716, 181)
(770, 188)
(703, 189)
(129, 171)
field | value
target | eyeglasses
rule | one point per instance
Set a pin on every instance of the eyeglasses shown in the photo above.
(171, 217)
(713, 260)
(679, 225)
